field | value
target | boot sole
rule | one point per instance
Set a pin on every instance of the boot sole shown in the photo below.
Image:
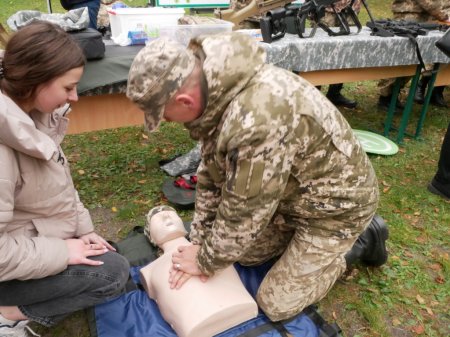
(434, 190)
(381, 232)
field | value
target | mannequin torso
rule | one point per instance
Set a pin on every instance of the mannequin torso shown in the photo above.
(198, 309)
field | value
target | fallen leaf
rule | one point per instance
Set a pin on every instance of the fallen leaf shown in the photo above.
(439, 279)
(436, 266)
(81, 172)
(386, 189)
(429, 311)
(420, 299)
(142, 181)
(334, 316)
(418, 329)
(114, 209)
(416, 213)
(144, 136)
(396, 322)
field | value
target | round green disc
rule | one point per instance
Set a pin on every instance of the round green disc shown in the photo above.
(375, 143)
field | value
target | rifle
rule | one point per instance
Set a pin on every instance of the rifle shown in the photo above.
(273, 25)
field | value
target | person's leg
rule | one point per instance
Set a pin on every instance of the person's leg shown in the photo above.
(316, 256)
(93, 8)
(50, 299)
(335, 96)
(385, 87)
(269, 244)
(303, 275)
(437, 97)
(440, 184)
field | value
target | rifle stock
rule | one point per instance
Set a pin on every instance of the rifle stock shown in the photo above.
(256, 7)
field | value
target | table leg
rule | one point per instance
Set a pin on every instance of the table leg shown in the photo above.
(392, 107)
(408, 106)
(426, 102)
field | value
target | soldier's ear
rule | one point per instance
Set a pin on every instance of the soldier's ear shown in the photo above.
(185, 100)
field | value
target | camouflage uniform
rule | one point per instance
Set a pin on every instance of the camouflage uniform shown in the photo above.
(282, 174)
(330, 18)
(414, 10)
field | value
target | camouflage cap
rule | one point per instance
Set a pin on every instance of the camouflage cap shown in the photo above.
(156, 74)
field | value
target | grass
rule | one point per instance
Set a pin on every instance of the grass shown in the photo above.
(118, 177)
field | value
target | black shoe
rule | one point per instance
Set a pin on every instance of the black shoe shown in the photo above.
(437, 97)
(419, 96)
(370, 247)
(385, 101)
(341, 100)
(437, 188)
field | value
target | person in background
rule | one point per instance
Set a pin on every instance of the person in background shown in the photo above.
(440, 184)
(334, 90)
(92, 5)
(52, 262)
(282, 175)
(419, 11)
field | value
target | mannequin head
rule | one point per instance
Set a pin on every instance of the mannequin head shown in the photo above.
(163, 224)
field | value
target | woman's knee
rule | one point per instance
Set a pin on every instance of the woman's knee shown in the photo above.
(115, 271)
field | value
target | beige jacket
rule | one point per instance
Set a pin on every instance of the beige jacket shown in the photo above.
(39, 206)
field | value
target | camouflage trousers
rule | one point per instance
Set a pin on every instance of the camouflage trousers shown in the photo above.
(307, 269)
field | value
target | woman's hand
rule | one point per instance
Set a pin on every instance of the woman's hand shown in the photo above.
(97, 240)
(79, 252)
(184, 265)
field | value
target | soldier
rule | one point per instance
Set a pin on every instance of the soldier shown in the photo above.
(282, 175)
(420, 11)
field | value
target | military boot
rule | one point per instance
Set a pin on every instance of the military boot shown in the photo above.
(335, 96)
(437, 97)
(370, 247)
(421, 89)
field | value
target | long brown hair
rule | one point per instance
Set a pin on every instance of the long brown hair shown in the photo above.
(36, 54)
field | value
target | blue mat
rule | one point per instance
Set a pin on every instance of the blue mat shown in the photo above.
(135, 315)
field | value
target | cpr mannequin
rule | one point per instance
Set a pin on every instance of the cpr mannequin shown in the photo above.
(198, 309)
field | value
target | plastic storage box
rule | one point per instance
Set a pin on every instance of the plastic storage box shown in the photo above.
(184, 33)
(148, 20)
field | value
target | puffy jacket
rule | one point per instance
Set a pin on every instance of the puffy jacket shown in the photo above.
(426, 10)
(39, 206)
(272, 145)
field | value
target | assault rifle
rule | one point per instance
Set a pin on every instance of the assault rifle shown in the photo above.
(273, 23)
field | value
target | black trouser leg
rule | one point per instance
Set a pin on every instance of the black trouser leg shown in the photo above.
(443, 172)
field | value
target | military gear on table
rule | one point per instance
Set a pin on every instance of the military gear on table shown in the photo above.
(170, 64)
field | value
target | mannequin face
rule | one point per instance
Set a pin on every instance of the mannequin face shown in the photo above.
(165, 226)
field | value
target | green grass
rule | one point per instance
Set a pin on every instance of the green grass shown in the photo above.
(117, 174)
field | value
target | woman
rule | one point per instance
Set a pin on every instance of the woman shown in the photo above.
(52, 262)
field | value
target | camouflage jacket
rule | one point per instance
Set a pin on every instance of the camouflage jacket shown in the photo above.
(426, 9)
(340, 5)
(272, 145)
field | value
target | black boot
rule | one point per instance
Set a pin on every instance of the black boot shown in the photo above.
(419, 96)
(335, 96)
(437, 97)
(370, 247)
(385, 101)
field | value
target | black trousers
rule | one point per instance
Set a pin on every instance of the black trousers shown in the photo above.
(443, 172)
